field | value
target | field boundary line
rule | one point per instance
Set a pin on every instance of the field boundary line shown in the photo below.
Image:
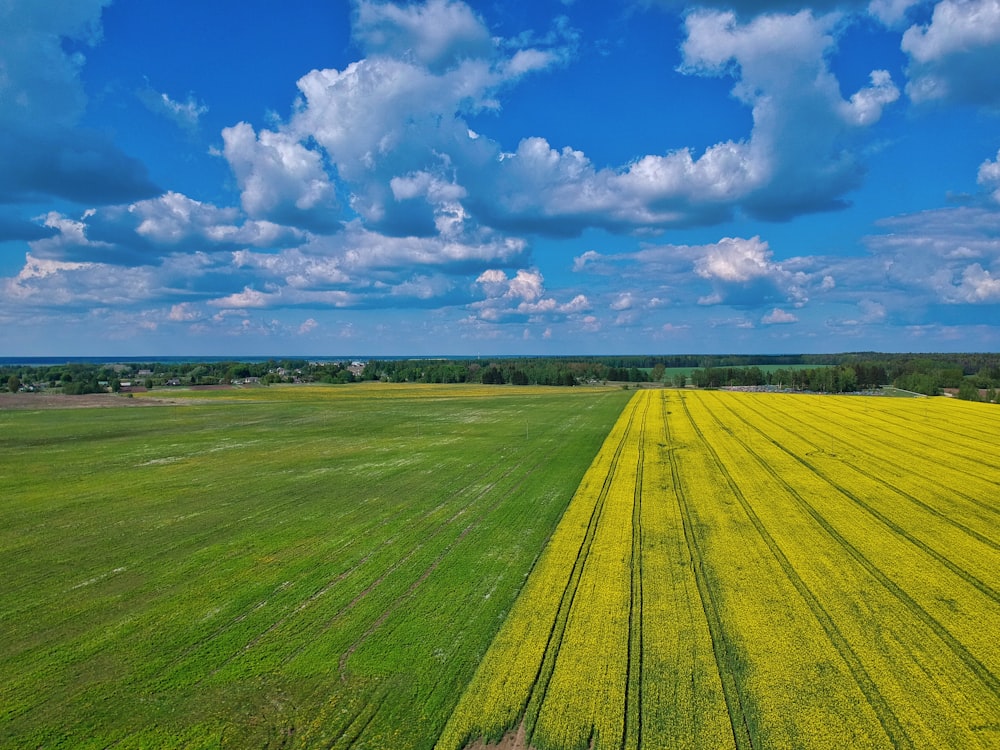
(546, 668)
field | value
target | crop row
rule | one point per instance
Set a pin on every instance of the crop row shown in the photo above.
(762, 570)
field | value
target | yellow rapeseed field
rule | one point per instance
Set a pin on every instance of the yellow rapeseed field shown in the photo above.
(763, 570)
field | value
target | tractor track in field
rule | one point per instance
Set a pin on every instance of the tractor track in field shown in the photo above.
(742, 737)
(903, 428)
(992, 509)
(633, 669)
(887, 718)
(540, 460)
(881, 517)
(968, 658)
(329, 585)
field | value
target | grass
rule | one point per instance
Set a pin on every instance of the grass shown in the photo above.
(309, 566)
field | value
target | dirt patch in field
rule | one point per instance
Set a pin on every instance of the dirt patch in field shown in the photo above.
(513, 740)
(87, 400)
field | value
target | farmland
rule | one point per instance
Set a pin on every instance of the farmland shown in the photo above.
(762, 570)
(419, 566)
(286, 566)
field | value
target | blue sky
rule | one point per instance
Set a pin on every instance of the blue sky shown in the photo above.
(459, 178)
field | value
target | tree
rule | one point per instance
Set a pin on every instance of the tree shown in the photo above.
(13, 384)
(968, 391)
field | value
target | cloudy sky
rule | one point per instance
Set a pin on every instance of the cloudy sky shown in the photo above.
(272, 177)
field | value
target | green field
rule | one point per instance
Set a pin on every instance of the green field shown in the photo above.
(308, 566)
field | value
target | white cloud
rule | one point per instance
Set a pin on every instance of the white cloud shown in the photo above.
(183, 312)
(522, 295)
(185, 115)
(48, 283)
(891, 12)
(281, 180)
(247, 298)
(736, 260)
(734, 271)
(140, 232)
(623, 301)
(800, 120)
(989, 176)
(438, 34)
(778, 316)
(948, 256)
(866, 105)
(560, 191)
(977, 286)
(955, 57)
(956, 26)
(174, 217)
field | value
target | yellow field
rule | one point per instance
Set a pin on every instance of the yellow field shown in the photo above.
(762, 570)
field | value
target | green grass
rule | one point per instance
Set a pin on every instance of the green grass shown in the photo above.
(272, 567)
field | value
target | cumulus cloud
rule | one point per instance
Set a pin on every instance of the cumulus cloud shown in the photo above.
(439, 34)
(280, 179)
(777, 316)
(392, 127)
(891, 12)
(977, 285)
(735, 271)
(522, 295)
(183, 312)
(751, 8)
(560, 192)
(143, 232)
(742, 271)
(799, 148)
(955, 57)
(45, 283)
(735, 260)
(989, 176)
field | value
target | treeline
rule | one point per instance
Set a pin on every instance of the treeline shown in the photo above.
(971, 376)
(835, 379)
(523, 371)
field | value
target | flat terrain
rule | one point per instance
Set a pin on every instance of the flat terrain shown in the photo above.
(742, 570)
(417, 566)
(271, 567)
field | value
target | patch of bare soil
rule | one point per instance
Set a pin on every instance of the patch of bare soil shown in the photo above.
(87, 400)
(513, 740)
